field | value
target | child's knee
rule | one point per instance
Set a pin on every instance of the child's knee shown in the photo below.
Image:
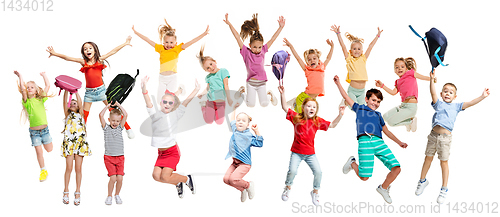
(119, 178)
(112, 178)
(364, 178)
(396, 170)
(157, 176)
(48, 147)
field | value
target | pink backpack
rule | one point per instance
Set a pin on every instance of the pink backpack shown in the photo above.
(68, 83)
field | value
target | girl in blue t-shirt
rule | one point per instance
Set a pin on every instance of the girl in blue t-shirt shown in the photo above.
(217, 90)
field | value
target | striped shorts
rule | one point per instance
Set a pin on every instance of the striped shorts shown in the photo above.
(369, 146)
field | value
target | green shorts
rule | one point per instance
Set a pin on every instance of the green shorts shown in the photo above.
(299, 100)
(369, 146)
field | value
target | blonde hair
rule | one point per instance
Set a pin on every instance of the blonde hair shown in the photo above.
(177, 101)
(249, 118)
(203, 58)
(251, 28)
(40, 94)
(166, 30)
(353, 39)
(409, 62)
(115, 111)
(311, 51)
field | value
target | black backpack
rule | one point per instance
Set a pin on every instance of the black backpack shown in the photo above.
(435, 46)
(120, 87)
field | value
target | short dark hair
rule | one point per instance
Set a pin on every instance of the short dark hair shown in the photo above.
(375, 92)
(451, 84)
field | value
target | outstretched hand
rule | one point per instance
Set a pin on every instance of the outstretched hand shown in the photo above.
(329, 42)
(379, 83)
(281, 89)
(50, 50)
(144, 81)
(336, 80)
(379, 31)
(129, 38)
(17, 73)
(226, 20)
(403, 145)
(281, 21)
(486, 92)
(335, 29)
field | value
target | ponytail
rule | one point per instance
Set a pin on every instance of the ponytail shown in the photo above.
(251, 28)
(166, 30)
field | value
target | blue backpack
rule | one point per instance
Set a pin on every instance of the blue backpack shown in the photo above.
(279, 61)
(435, 46)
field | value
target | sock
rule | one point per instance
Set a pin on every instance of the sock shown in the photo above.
(85, 115)
(444, 188)
(423, 180)
(43, 168)
(127, 127)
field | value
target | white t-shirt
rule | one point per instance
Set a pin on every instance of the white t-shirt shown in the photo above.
(165, 126)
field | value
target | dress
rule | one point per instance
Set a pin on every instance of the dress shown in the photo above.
(75, 138)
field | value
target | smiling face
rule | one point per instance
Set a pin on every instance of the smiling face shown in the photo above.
(400, 68)
(167, 103)
(373, 102)
(210, 66)
(169, 42)
(312, 60)
(449, 93)
(242, 122)
(256, 46)
(88, 51)
(310, 108)
(356, 49)
(74, 106)
(114, 120)
(31, 88)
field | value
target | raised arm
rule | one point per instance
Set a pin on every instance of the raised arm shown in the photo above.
(205, 91)
(370, 47)
(101, 115)
(232, 116)
(475, 101)
(193, 94)
(79, 103)
(281, 22)
(144, 81)
(283, 98)
(334, 123)
(65, 103)
(329, 56)
(228, 92)
(116, 49)
(379, 84)
(22, 86)
(235, 33)
(64, 57)
(347, 99)
(295, 54)
(189, 43)
(46, 81)
(124, 114)
(336, 29)
(434, 95)
(146, 39)
(393, 137)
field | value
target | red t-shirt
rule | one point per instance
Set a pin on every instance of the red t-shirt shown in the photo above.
(303, 139)
(93, 74)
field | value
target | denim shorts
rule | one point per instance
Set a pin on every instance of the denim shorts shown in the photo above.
(97, 94)
(39, 137)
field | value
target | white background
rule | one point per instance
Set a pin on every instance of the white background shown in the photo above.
(471, 31)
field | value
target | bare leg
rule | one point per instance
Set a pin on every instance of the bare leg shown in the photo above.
(39, 156)
(119, 183)
(111, 185)
(67, 172)
(78, 172)
(354, 166)
(166, 175)
(445, 172)
(391, 177)
(426, 166)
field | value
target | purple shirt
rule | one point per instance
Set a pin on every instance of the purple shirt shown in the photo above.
(254, 63)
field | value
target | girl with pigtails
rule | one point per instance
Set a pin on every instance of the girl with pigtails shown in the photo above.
(169, 53)
(92, 65)
(254, 57)
(217, 90)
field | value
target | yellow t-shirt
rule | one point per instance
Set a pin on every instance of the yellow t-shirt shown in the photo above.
(356, 68)
(168, 58)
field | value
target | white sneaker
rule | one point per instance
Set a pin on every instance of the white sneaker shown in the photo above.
(251, 190)
(347, 166)
(315, 198)
(385, 193)
(286, 194)
(203, 103)
(291, 103)
(442, 196)
(342, 103)
(238, 93)
(413, 124)
(274, 101)
(421, 186)
(130, 134)
(244, 195)
(118, 200)
(109, 200)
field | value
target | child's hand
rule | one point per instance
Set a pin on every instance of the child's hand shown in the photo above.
(108, 105)
(255, 128)
(117, 104)
(127, 42)
(341, 109)
(17, 73)
(281, 89)
(200, 95)
(281, 21)
(206, 31)
(335, 29)
(229, 101)
(50, 50)
(403, 145)
(329, 42)
(226, 20)
(287, 43)
(133, 29)
(42, 74)
(432, 75)
(336, 80)
(236, 105)
(144, 81)
(486, 92)
(379, 31)
(379, 83)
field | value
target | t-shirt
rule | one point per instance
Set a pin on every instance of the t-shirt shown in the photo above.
(407, 85)
(446, 114)
(93, 74)
(305, 132)
(168, 58)
(164, 126)
(315, 79)
(368, 121)
(113, 140)
(36, 111)
(240, 143)
(254, 63)
(356, 68)
(216, 84)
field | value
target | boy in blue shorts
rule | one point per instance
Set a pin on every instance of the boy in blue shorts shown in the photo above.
(439, 140)
(370, 125)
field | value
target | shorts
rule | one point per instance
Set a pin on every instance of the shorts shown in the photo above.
(39, 137)
(114, 164)
(439, 143)
(169, 158)
(97, 94)
(299, 101)
(357, 95)
(369, 146)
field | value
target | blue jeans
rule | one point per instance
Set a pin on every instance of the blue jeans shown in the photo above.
(97, 94)
(312, 162)
(39, 137)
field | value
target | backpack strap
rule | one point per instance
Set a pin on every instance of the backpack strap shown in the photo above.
(438, 58)
(423, 40)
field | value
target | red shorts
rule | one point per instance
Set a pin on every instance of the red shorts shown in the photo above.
(114, 164)
(169, 158)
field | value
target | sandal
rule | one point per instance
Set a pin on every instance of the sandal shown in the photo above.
(65, 198)
(77, 200)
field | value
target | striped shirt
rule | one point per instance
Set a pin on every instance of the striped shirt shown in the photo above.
(113, 141)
